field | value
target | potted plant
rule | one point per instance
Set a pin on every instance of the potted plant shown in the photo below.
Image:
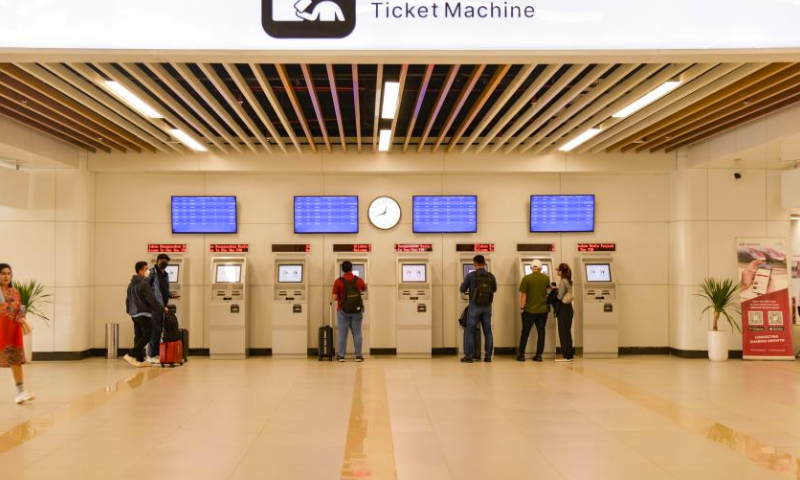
(722, 301)
(31, 296)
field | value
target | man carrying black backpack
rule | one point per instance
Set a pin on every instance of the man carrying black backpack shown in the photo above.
(347, 292)
(481, 286)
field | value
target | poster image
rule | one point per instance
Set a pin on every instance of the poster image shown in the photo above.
(764, 280)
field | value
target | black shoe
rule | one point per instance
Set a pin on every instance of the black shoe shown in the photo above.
(520, 358)
(466, 360)
(487, 360)
(537, 359)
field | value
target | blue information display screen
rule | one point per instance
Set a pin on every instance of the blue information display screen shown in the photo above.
(446, 214)
(562, 213)
(204, 214)
(326, 214)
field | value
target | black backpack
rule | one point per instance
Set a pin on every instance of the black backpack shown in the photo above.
(171, 327)
(352, 302)
(483, 295)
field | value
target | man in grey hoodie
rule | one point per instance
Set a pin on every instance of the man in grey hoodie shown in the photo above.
(140, 304)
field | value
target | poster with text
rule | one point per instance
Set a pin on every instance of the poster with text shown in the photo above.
(764, 290)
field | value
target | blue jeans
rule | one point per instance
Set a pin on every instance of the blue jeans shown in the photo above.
(475, 315)
(347, 322)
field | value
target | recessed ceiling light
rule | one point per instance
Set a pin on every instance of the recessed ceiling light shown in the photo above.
(580, 139)
(131, 99)
(391, 90)
(385, 140)
(187, 140)
(646, 100)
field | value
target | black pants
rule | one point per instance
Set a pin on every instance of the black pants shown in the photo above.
(528, 321)
(141, 336)
(565, 314)
(156, 325)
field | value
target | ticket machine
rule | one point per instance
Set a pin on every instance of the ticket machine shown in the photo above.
(551, 330)
(599, 306)
(465, 266)
(413, 316)
(361, 270)
(178, 276)
(227, 321)
(290, 307)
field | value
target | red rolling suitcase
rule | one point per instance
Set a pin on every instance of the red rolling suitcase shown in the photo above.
(171, 353)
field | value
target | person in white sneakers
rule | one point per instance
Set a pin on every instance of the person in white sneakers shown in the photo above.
(565, 312)
(12, 320)
(140, 304)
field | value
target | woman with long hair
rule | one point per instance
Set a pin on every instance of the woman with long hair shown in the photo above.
(565, 312)
(12, 316)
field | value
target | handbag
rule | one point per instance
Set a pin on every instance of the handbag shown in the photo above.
(27, 329)
(462, 320)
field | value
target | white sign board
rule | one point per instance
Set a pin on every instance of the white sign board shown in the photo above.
(424, 25)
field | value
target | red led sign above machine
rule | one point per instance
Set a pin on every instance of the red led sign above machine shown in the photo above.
(352, 247)
(475, 247)
(291, 248)
(413, 247)
(229, 248)
(536, 247)
(597, 247)
(166, 248)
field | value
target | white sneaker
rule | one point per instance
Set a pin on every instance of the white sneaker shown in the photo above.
(563, 359)
(129, 359)
(141, 364)
(153, 360)
(24, 397)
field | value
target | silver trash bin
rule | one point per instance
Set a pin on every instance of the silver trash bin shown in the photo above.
(112, 340)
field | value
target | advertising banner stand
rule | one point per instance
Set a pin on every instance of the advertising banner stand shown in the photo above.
(764, 291)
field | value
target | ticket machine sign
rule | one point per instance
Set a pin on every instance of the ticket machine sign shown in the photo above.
(353, 247)
(413, 247)
(166, 248)
(597, 247)
(291, 248)
(475, 247)
(229, 248)
(536, 247)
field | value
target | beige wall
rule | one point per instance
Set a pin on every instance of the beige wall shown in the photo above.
(49, 238)
(633, 210)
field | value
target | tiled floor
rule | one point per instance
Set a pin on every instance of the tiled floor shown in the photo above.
(633, 418)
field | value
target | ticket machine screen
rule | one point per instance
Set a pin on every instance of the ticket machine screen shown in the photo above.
(173, 272)
(229, 274)
(414, 273)
(545, 269)
(358, 270)
(468, 268)
(290, 273)
(598, 272)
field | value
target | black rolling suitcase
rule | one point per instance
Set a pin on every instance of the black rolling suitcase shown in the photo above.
(326, 341)
(185, 340)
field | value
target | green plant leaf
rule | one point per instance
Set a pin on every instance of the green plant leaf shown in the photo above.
(32, 296)
(721, 298)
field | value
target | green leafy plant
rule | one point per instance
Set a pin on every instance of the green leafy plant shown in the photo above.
(32, 296)
(722, 301)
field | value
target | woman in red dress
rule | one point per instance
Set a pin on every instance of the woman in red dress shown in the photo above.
(12, 314)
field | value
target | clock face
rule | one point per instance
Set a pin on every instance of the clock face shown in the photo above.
(384, 213)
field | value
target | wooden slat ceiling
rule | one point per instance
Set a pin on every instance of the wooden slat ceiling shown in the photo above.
(277, 108)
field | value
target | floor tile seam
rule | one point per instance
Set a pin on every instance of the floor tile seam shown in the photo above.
(261, 431)
(794, 464)
(428, 417)
(48, 421)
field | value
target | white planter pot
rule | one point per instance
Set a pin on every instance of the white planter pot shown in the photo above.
(717, 346)
(27, 342)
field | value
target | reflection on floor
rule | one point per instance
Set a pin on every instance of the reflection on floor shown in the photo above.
(632, 418)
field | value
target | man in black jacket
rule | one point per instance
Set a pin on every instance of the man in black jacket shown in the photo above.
(159, 282)
(140, 303)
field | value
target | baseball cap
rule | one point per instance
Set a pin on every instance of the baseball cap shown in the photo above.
(536, 264)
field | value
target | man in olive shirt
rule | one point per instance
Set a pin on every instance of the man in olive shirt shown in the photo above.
(533, 297)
